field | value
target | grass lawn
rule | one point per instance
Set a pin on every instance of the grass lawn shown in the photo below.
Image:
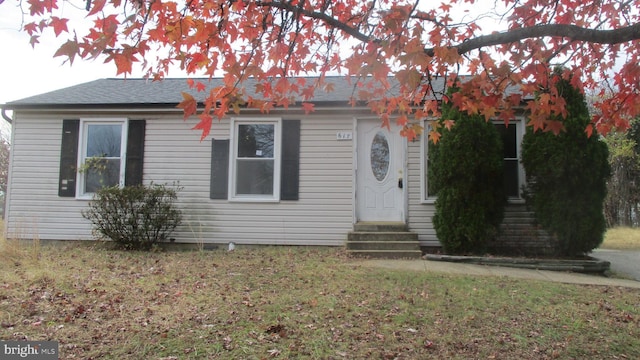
(297, 303)
(622, 238)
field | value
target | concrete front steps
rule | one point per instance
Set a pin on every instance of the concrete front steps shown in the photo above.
(520, 235)
(383, 240)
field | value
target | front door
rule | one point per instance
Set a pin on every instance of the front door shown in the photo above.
(379, 172)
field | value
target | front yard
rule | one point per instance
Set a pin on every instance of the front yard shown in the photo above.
(297, 303)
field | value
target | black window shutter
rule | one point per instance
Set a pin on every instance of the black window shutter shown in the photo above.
(135, 153)
(290, 164)
(219, 169)
(68, 158)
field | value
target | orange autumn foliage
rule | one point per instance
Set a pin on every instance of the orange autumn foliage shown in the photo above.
(400, 47)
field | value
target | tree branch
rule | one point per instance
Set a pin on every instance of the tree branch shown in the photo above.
(572, 32)
(329, 20)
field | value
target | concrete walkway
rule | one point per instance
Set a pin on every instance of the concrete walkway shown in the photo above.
(625, 263)
(484, 270)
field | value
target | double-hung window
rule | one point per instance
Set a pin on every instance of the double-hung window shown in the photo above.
(511, 140)
(101, 155)
(255, 160)
(513, 172)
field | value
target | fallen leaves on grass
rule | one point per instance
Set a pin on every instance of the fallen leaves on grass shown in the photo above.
(302, 303)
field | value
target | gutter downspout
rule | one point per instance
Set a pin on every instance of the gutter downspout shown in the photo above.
(5, 117)
(6, 194)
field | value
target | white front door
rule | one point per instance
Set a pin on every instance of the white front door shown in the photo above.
(379, 174)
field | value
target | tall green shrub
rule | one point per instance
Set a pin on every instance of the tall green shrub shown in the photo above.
(468, 173)
(566, 176)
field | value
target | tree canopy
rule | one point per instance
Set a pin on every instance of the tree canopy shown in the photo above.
(403, 44)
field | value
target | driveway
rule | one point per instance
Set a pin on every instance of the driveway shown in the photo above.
(625, 263)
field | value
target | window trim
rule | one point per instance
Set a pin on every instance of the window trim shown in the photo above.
(424, 141)
(277, 159)
(82, 136)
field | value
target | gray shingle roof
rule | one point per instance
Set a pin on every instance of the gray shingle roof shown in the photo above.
(142, 92)
(167, 93)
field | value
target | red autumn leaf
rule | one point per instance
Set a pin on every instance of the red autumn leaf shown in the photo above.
(589, 130)
(555, 126)
(30, 28)
(308, 92)
(402, 120)
(69, 49)
(59, 25)
(448, 124)
(37, 7)
(189, 105)
(34, 40)
(434, 136)
(204, 125)
(124, 63)
(200, 86)
(96, 7)
(307, 107)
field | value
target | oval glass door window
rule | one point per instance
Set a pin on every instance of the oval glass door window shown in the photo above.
(380, 156)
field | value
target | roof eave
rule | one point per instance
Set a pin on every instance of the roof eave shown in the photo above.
(138, 106)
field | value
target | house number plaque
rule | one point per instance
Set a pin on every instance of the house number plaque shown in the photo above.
(344, 135)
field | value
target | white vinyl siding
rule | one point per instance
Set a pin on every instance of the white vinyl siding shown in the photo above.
(34, 209)
(321, 216)
(420, 214)
(173, 153)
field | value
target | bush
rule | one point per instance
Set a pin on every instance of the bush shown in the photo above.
(134, 217)
(566, 177)
(468, 172)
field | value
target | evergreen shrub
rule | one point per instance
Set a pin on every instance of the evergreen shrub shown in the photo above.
(466, 168)
(134, 217)
(567, 176)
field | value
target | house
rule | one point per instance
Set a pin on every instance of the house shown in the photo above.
(282, 178)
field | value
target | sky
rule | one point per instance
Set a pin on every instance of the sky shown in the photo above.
(27, 71)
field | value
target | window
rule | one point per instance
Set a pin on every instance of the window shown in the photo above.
(511, 139)
(255, 161)
(80, 143)
(102, 155)
(280, 140)
(428, 189)
(513, 171)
